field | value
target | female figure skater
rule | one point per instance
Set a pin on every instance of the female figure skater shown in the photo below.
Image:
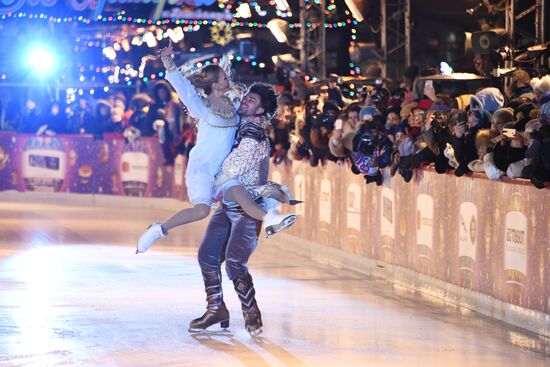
(217, 126)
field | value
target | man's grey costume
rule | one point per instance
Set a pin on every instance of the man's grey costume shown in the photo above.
(232, 235)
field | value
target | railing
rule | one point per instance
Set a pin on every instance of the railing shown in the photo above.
(488, 236)
(80, 164)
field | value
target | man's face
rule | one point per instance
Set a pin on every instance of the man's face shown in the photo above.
(353, 118)
(393, 118)
(250, 105)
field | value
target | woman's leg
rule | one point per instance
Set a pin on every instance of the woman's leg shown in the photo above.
(239, 195)
(198, 212)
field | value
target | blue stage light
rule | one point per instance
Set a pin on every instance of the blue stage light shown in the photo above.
(41, 60)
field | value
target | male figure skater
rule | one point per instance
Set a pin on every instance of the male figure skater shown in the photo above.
(232, 235)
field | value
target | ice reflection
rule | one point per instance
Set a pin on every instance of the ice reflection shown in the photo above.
(40, 272)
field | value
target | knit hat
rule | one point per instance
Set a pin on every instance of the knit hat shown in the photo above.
(367, 113)
(504, 114)
(490, 99)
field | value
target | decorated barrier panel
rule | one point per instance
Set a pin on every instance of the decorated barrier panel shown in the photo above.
(487, 236)
(80, 164)
(490, 237)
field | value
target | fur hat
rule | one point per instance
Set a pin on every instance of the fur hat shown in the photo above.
(483, 141)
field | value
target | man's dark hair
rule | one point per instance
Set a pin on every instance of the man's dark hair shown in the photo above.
(355, 107)
(267, 95)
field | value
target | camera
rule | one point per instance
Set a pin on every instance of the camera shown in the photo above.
(365, 143)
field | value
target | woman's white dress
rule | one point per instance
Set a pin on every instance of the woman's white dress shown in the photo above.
(215, 138)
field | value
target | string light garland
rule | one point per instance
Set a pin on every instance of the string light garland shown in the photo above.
(354, 69)
(219, 29)
(123, 19)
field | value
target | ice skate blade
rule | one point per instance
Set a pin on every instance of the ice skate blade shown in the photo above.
(287, 222)
(209, 331)
(255, 332)
(223, 327)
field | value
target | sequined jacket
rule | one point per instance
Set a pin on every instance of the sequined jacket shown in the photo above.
(248, 163)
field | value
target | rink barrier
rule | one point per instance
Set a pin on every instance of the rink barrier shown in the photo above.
(480, 244)
(84, 165)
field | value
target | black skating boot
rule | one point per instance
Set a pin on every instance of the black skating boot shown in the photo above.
(215, 308)
(251, 312)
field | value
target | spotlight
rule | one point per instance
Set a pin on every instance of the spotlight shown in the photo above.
(41, 60)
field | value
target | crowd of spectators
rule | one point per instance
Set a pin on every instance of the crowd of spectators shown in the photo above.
(496, 131)
(156, 113)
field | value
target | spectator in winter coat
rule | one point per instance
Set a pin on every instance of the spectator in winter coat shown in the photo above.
(341, 142)
(519, 86)
(542, 90)
(464, 137)
(56, 119)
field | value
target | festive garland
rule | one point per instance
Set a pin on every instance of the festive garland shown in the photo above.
(143, 21)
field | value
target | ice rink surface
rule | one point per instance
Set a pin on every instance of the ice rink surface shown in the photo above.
(73, 293)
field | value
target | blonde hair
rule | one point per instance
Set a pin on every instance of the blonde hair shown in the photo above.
(205, 77)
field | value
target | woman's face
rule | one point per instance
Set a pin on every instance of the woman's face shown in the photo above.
(417, 117)
(496, 124)
(472, 120)
(222, 84)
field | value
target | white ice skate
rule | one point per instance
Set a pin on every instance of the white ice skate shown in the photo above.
(149, 237)
(274, 222)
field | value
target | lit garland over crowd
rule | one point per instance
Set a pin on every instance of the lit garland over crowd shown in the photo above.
(149, 32)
